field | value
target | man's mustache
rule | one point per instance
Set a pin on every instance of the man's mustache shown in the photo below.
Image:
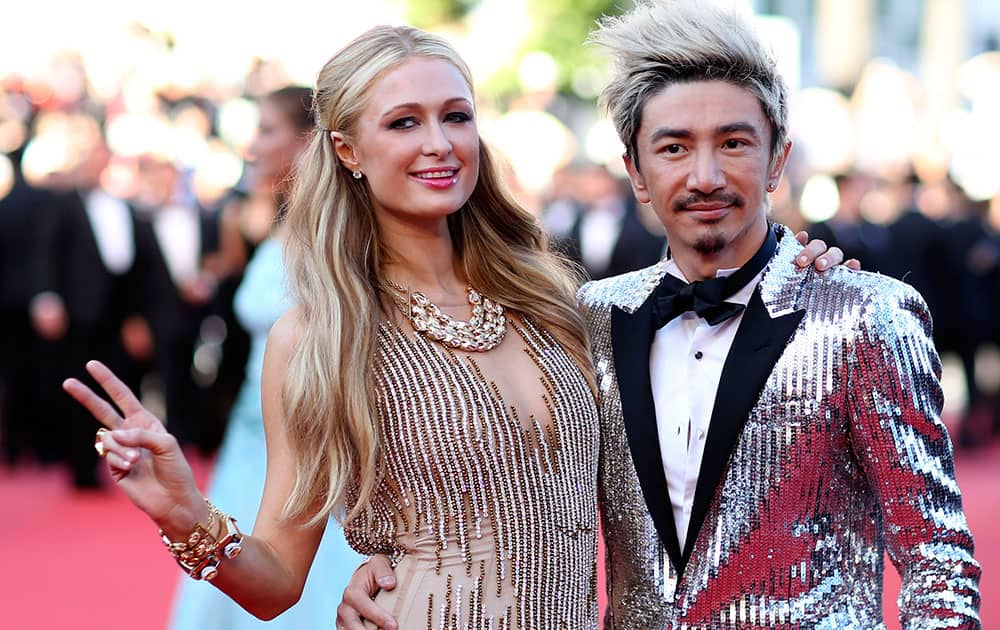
(722, 196)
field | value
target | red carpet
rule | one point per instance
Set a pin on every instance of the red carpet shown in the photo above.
(74, 561)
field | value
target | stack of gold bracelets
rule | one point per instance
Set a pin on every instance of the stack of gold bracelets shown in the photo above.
(205, 547)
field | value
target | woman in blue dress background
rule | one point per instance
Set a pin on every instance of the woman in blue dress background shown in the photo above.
(238, 478)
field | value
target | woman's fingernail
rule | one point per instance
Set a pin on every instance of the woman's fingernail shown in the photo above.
(822, 263)
(133, 455)
(803, 259)
(384, 581)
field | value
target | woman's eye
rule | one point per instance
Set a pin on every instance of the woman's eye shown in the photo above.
(458, 117)
(403, 123)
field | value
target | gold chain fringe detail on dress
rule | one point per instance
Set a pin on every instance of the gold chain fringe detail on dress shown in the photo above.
(483, 332)
(489, 514)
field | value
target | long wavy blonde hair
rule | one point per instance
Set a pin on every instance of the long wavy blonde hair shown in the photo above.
(334, 256)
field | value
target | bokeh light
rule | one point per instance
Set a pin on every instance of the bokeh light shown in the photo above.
(237, 121)
(133, 135)
(823, 129)
(972, 133)
(537, 71)
(535, 142)
(6, 176)
(888, 129)
(602, 146)
(13, 134)
(820, 198)
(217, 169)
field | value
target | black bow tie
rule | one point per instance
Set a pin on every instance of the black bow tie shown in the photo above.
(707, 298)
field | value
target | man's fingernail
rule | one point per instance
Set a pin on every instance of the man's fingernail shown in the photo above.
(133, 455)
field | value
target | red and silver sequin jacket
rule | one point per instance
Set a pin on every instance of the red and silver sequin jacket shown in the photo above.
(826, 449)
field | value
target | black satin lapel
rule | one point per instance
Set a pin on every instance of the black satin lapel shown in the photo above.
(631, 338)
(759, 343)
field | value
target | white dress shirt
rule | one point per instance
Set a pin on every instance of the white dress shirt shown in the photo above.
(178, 232)
(112, 227)
(685, 365)
(600, 228)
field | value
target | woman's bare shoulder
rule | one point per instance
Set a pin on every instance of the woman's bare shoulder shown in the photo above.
(285, 332)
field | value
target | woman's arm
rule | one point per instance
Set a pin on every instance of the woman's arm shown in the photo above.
(147, 464)
(268, 577)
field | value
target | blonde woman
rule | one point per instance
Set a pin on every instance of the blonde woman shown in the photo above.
(432, 387)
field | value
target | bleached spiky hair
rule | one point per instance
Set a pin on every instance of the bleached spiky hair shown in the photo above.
(663, 42)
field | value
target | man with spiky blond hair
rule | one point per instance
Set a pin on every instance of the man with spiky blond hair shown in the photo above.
(768, 433)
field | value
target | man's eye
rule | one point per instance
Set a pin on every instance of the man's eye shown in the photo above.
(673, 148)
(733, 144)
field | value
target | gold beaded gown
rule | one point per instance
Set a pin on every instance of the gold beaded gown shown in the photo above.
(488, 511)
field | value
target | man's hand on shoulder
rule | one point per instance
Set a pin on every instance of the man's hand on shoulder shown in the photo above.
(818, 254)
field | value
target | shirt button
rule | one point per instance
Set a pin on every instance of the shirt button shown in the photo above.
(698, 355)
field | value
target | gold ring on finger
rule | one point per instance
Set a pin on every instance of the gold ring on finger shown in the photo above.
(99, 442)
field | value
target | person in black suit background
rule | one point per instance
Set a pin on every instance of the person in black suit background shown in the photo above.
(176, 293)
(849, 229)
(966, 314)
(987, 258)
(21, 422)
(608, 237)
(85, 294)
(919, 255)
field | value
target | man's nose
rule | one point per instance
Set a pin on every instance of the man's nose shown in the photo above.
(706, 173)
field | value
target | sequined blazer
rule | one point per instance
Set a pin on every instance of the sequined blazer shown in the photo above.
(825, 450)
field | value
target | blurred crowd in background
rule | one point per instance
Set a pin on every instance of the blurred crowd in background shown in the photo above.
(129, 202)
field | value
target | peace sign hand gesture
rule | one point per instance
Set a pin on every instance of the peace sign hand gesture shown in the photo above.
(144, 460)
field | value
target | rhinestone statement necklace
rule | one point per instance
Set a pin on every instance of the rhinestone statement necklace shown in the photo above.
(483, 332)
